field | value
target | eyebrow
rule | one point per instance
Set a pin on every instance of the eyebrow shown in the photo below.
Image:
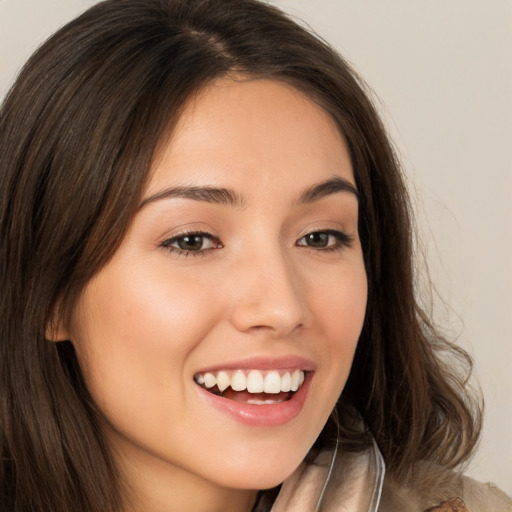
(208, 194)
(228, 197)
(326, 188)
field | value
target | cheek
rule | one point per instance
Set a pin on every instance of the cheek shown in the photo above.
(150, 313)
(338, 302)
(133, 336)
(340, 310)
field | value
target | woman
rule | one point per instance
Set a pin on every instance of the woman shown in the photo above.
(207, 279)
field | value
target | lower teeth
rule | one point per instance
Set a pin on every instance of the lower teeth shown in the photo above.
(264, 402)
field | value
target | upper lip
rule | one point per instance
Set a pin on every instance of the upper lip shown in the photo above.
(290, 362)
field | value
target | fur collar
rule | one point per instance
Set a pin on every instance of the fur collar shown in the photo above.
(355, 482)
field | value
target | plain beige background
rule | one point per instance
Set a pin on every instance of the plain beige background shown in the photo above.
(442, 70)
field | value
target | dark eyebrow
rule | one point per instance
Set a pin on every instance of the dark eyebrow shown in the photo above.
(229, 197)
(209, 194)
(331, 186)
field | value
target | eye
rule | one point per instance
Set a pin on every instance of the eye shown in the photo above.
(327, 240)
(191, 243)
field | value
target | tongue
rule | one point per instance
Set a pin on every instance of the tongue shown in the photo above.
(244, 396)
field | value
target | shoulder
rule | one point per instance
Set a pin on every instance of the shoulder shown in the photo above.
(434, 489)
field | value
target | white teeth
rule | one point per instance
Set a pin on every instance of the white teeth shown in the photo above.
(255, 381)
(263, 402)
(272, 383)
(223, 381)
(295, 380)
(209, 380)
(286, 382)
(238, 381)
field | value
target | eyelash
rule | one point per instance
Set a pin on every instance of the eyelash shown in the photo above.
(342, 240)
(167, 244)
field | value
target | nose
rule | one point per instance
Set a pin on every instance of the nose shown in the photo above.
(269, 295)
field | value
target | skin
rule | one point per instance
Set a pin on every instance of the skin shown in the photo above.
(155, 315)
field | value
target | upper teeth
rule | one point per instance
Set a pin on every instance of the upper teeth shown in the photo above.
(254, 381)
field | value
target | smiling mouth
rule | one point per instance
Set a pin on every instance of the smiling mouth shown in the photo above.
(252, 386)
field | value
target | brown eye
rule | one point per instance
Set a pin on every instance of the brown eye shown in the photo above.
(191, 243)
(317, 239)
(325, 240)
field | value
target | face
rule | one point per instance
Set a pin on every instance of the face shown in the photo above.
(219, 336)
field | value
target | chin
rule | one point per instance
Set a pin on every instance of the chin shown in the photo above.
(260, 472)
(258, 479)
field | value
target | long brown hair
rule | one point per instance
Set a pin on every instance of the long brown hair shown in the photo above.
(78, 132)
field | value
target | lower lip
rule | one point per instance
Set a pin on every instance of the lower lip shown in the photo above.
(268, 415)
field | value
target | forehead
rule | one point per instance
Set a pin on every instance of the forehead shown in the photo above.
(251, 134)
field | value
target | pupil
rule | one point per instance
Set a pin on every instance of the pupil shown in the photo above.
(191, 243)
(318, 239)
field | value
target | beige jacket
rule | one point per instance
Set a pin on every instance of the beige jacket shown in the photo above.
(348, 482)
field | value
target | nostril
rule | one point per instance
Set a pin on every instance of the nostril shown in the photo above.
(280, 321)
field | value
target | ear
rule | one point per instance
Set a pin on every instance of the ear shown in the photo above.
(56, 328)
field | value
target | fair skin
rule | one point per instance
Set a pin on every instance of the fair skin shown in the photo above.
(270, 279)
